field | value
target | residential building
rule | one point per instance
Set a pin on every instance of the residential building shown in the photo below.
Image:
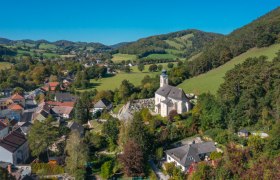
(186, 155)
(4, 130)
(74, 126)
(101, 105)
(168, 98)
(14, 148)
(64, 97)
(18, 99)
(243, 133)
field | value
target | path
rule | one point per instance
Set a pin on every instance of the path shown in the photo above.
(159, 174)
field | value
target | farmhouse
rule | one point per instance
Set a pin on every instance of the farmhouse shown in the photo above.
(186, 155)
(168, 98)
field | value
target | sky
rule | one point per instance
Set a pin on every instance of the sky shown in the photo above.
(114, 21)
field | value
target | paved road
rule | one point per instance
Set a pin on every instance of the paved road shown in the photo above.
(159, 174)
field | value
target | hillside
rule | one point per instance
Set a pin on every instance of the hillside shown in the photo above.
(210, 81)
(262, 32)
(182, 44)
(51, 49)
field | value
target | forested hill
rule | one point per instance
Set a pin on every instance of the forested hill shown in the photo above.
(262, 32)
(182, 44)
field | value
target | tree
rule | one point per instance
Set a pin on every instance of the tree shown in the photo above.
(77, 155)
(160, 67)
(170, 65)
(127, 69)
(111, 131)
(153, 68)
(138, 132)
(47, 133)
(18, 90)
(107, 170)
(141, 67)
(132, 160)
(80, 112)
(53, 78)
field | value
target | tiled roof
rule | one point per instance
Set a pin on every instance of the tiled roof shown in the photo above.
(62, 110)
(67, 104)
(13, 141)
(15, 107)
(53, 84)
(187, 154)
(17, 97)
(65, 97)
(102, 103)
(171, 92)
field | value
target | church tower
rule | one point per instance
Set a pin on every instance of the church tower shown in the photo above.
(163, 78)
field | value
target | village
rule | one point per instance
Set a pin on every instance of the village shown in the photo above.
(19, 111)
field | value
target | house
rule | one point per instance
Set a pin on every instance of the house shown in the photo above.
(18, 99)
(186, 155)
(4, 103)
(101, 105)
(51, 86)
(168, 98)
(14, 148)
(64, 97)
(74, 126)
(42, 112)
(243, 133)
(6, 92)
(10, 114)
(4, 130)
(23, 127)
(63, 111)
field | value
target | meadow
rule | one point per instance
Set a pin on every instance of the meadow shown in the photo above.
(210, 81)
(113, 82)
(123, 57)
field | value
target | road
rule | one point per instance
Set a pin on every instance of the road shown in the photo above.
(159, 174)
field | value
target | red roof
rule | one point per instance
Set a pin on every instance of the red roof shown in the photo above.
(17, 97)
(15, 107)
(53, 84)
(67, 104)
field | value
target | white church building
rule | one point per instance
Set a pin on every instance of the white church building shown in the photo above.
(168, 98)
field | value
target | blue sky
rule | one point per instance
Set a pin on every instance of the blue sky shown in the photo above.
(113, 21)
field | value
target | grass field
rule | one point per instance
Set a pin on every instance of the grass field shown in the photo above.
(174, 44)
(135, 77)
(123, 57)
(47, 46)
(5, 65)
(161, 56)
(210, 81)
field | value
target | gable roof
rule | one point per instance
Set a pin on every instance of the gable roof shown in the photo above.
(13, 141)
(62, 110)
(102, 103)
(65, 97)
(68, 104)
(17, 97)
(15, 107)
(172, 92)
(74, 126)
(187, 154)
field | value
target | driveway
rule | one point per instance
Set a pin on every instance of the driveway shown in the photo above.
(157, 171)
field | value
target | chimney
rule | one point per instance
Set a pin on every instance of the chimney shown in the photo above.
(9, 168)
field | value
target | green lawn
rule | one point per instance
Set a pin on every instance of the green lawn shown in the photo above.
(47, 46)
(210, 81)
(135, 77)
(123, 57)
(161, 56)
(174, 44)
(5, 65)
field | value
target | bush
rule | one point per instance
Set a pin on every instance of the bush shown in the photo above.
(46, 169)
(107, 169)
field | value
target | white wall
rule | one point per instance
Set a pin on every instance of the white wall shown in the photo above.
(170, 160)
(5, 155)
(4, 132)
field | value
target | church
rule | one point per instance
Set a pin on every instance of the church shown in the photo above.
(168, 98)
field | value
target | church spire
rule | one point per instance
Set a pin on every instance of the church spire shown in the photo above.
(163, 78)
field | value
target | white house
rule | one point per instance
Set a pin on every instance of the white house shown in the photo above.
(168, 98)
(14, 148)
(186, 155)
(101, 105)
